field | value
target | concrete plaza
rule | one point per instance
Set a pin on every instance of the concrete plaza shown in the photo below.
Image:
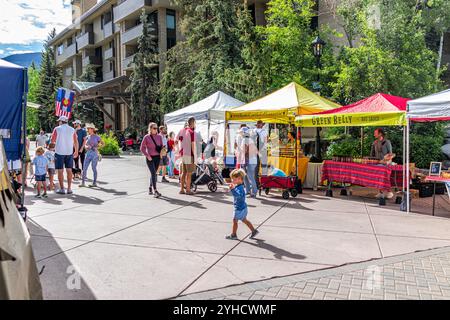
(120, 243)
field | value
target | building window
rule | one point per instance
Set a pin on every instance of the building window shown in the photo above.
(102, 21)
(60, 50)
(171, 26)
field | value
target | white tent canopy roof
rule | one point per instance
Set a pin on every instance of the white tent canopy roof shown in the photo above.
(212, 107)
(434, 107)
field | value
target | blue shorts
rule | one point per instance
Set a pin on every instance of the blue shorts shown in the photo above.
(240, 214)
(62, 162)
(40, 178)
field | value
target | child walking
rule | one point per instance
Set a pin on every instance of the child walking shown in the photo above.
(240, 206)
(50, 155)
(41, 165)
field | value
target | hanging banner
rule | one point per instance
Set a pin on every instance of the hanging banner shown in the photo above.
(268, 116)
(362, 119)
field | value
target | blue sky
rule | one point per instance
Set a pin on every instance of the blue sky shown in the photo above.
(25, 24)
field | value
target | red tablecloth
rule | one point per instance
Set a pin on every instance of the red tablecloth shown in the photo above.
(380, 177)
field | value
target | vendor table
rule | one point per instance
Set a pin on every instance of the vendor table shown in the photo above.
(287, 164)
(380, 177)
(434, 180)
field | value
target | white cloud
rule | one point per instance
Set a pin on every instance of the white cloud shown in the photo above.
(18, 51)
(2, 51)
(26, 21)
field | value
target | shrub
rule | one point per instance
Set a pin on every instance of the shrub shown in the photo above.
(111, 147)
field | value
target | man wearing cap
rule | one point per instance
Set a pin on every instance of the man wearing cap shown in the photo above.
(66, 141)
(81, 136)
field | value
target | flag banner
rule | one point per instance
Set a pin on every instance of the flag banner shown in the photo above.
(64, 102)
(352, 119)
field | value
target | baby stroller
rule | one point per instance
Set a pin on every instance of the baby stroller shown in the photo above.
(205, 174)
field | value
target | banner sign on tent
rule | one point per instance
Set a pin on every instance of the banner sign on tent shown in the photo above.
(268, 116)
(352, 119)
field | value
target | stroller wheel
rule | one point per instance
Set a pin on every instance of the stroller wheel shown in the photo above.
(266, 191)
(212, 186)
(285, 194)
(294, 193)
(193, 187)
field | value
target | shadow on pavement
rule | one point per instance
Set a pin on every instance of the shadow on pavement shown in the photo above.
(60, 279)
(278, 253)
(183, 202)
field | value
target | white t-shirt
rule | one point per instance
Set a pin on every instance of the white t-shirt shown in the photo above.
(64, 140)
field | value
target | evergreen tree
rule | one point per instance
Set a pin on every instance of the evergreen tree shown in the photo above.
(88, 112)
(144, 80)
(200, 65)
(50, 80)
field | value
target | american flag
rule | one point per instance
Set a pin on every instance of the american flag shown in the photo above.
(64, 102)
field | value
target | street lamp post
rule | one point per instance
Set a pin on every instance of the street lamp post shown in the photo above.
(317, 47)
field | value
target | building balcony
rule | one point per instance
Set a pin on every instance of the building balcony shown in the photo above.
(92, 60)
(131, 36)
(130, 8)
(108, 30)
(127, 63)
(108, 75)
(85, 40)
(68, 53)
(109, 54)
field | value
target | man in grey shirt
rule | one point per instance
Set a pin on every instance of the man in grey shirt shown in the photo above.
(381, 146)
(41, 139)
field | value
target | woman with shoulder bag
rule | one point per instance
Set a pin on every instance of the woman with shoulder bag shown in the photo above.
(152, 147)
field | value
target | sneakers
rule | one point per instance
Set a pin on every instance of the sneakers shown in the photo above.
(231, 237)
(93, 185)
(38, 196)
(157, 194)
(164, 179)
(254, 233)
(150, 191)
(44, 195)
(69, 191)
(61, 191)
(82, 185)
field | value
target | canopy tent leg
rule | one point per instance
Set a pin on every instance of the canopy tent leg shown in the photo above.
(408, 196)
(24, 136)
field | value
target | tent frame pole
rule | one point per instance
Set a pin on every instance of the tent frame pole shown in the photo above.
(408, 196)
(24, 134)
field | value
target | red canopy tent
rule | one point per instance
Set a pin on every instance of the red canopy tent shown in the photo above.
(380, 102)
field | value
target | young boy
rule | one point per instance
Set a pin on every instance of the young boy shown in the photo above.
(240, 206)
(41, 165)
(50, 155)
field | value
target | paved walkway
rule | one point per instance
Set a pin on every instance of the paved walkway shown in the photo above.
(116, 242)
(415, 276)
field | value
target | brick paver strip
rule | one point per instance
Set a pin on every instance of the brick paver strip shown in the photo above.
(419, 276)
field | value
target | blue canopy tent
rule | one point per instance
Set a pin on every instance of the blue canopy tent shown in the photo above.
(13, 100)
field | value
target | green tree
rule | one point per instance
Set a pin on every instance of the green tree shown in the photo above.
(50, 80)
(88, 112)
(144, 80)
(201, 65)
(33, 87)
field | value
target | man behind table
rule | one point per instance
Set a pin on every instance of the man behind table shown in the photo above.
(381, 148)
(186, 138)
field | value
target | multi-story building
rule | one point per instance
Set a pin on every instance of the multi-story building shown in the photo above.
(104, 35)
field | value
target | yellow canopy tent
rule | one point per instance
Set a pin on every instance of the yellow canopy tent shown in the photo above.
(282, 106)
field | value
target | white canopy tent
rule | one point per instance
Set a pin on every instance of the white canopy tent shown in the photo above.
(209, 114)
(435, 107)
